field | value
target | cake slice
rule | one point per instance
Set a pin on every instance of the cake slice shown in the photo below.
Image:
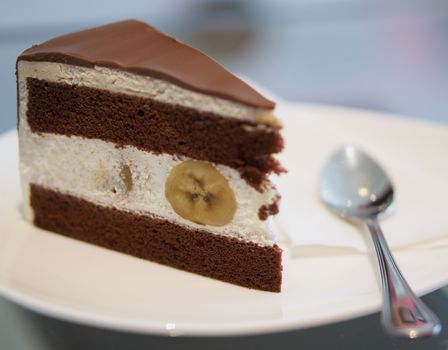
(136, 142)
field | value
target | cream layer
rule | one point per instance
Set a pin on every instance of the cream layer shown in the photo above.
(137, 85)
(92, 170)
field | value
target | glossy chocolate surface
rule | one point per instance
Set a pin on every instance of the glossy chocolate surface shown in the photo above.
(138, 48)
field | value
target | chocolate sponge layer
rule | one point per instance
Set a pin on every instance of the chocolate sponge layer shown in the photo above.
(154, 126)
(224, 258)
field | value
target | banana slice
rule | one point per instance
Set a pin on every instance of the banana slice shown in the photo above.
(198, 192)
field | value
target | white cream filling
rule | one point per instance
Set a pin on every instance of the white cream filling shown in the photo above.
(91, 169)
(136, 85)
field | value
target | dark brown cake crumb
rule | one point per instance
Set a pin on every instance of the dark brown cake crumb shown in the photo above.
(224, 258)
(267, 210)
(154, 126)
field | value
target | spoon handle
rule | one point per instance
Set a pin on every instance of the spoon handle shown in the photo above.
(404, 314)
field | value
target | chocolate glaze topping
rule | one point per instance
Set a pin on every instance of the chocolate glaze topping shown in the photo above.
(141, 49)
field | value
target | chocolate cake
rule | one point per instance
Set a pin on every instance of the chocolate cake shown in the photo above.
(136, 142)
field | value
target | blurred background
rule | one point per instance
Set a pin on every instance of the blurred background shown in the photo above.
(376, 54)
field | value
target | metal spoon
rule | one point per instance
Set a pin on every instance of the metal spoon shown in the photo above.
(354, 186)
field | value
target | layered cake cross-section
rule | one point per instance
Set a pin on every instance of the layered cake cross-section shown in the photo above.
(136, 142)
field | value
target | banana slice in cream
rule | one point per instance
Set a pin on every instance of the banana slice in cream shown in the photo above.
(198, 192)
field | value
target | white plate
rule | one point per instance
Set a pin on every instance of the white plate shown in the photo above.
(83, 283)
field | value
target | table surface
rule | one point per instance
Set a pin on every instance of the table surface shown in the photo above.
(388, 56)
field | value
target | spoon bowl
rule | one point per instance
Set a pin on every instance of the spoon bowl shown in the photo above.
(354, 186)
